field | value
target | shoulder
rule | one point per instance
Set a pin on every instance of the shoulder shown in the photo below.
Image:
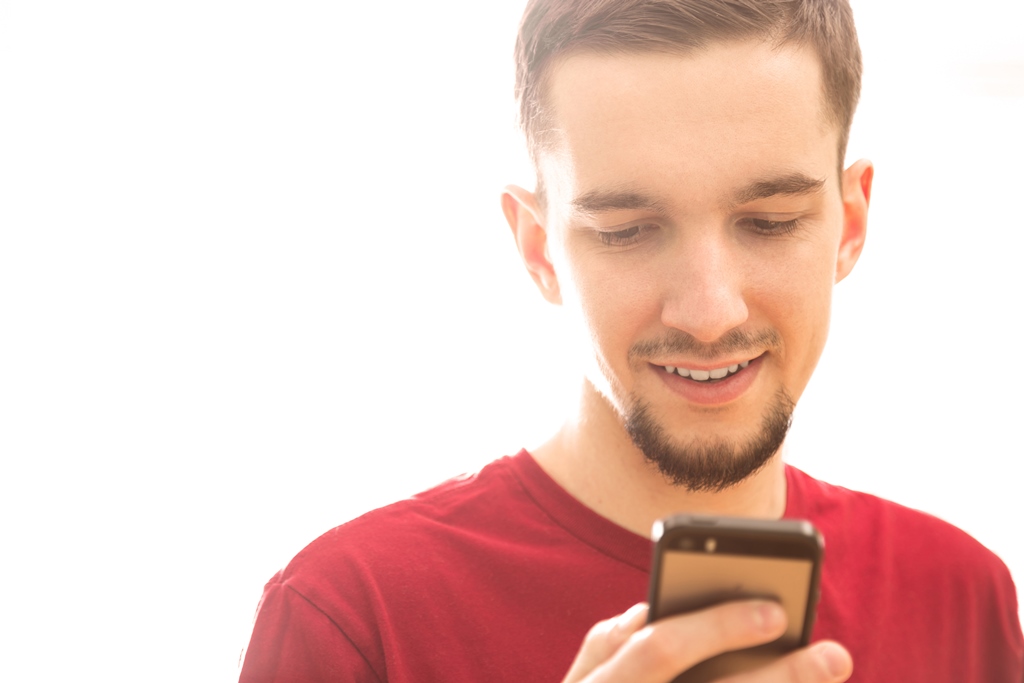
(373, 574)
(861, 528)
(387, 577)
(410, 530)
(888, 568)
(837, 506)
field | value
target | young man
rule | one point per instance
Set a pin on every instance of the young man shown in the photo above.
(693, 215)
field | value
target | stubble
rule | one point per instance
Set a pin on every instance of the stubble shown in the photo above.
(710, 464)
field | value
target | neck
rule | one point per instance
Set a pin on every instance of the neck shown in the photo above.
(594, 459)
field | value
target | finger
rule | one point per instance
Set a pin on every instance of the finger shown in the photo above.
(604, 639)
(662, 650)
(824, 662)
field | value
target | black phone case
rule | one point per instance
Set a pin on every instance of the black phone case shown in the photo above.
(783, 539)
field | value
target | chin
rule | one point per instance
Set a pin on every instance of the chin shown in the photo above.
(713, 463)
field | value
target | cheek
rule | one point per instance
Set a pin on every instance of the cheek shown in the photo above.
(799, 306)
(608, 308)
(602, 304)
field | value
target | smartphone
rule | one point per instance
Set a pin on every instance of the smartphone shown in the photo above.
(700, 561)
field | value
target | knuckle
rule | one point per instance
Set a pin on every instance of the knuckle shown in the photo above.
(732, 624)
(728, 622)
(600, 631)
(658, 649)
(747, 624)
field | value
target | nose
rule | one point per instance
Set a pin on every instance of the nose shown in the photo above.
(703, 293)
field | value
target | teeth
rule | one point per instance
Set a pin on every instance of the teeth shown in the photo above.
(705, 375)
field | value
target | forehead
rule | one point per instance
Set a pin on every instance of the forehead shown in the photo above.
(688, 127)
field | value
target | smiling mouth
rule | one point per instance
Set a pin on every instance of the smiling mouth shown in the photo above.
(708, 376)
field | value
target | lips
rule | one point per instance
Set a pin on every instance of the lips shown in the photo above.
(707, 375)
(711, 386)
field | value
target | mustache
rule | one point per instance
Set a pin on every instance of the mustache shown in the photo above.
(678, 342)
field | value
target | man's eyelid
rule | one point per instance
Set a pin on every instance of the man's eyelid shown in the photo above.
(785, 206)
(774, 216)
(776, 211)
(628, 225)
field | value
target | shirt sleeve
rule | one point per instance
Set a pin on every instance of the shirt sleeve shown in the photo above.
(1004, 636)
(293, 640)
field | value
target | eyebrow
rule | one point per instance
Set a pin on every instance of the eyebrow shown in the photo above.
(602, 201)
(789, 184)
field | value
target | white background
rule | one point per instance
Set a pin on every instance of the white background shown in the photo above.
(254, 280)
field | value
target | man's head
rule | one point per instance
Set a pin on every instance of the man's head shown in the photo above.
(554, 29)
(692, 215)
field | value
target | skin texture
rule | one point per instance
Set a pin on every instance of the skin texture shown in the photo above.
(624, 649)
(656, 241)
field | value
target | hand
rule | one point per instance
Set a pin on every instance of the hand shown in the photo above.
(624, 649)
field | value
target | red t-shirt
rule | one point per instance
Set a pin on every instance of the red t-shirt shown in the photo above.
(497, 576)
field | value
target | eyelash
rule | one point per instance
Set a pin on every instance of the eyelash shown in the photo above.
(767, 227)
(621, 238)
(630, 235)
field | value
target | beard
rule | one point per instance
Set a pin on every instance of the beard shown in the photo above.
(709, 464)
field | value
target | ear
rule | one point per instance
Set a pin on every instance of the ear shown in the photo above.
(856, 197)
(525, 219)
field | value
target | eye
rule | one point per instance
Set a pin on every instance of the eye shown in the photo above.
(767, 227)
(624, 237)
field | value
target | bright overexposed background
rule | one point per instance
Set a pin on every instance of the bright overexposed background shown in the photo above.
(254, 281)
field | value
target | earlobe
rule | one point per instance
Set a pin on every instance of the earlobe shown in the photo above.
(525, 219)
(856, 197)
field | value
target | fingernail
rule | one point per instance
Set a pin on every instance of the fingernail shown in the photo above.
(834, 658)
(771, 617)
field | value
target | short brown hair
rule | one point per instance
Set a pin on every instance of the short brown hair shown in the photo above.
(553, 28)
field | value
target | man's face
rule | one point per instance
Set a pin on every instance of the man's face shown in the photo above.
(695, 223)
